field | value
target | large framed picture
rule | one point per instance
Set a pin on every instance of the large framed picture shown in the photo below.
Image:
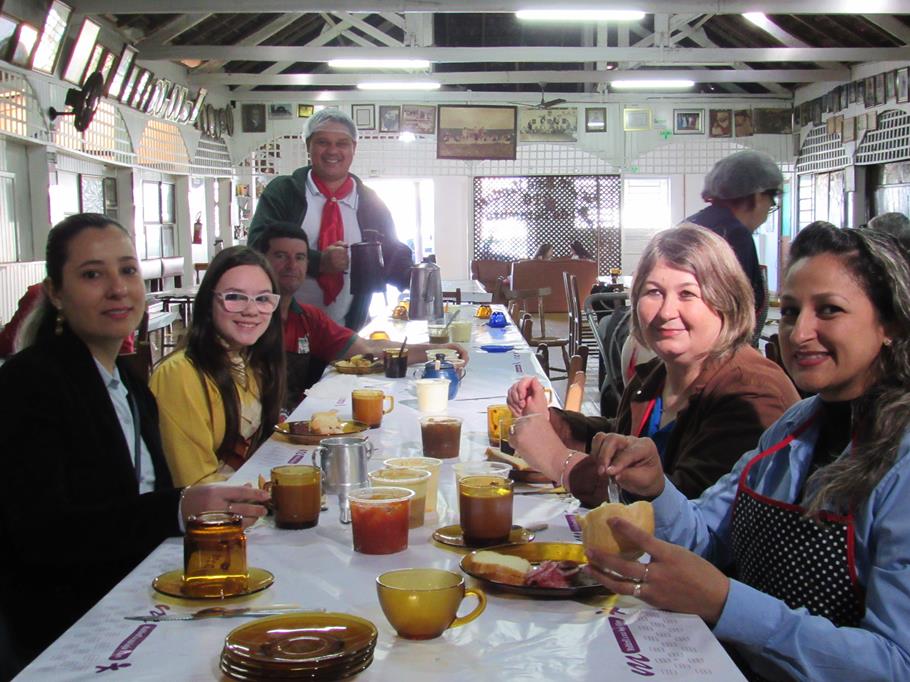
(547, 125)
(772, 121)
(418, 118)
(636, 119)
(364, 116)
(389, 119)
(720, 123)
(476, 132)
(252, 118)
(281, 111)
(742, 121)
(688, 121)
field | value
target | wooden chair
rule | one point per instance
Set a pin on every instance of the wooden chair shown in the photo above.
(580, 334)
(520, 310)
(543, 357)
(452, 296)
(139, 362)
(575, 392)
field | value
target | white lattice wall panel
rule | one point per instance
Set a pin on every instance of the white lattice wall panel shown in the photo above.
(106, 138)
(20, 114)
(889, 142)
(821, 152)
(212, 158)
(677, 157)
(162, 148)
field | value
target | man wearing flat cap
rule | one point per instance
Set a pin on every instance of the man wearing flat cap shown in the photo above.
(742, 189)
(334, 208)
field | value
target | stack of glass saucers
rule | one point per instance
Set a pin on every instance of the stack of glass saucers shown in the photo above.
(299, 646)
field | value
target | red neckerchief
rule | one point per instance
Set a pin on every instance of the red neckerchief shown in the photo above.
(331, 230)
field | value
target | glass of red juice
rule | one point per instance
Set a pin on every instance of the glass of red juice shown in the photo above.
(379, 519)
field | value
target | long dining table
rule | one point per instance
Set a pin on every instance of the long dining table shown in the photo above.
(517, 637)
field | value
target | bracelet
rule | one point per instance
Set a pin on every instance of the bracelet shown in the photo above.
(565, 465)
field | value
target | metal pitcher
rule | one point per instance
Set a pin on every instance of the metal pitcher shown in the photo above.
(426, 292)
(367, 265)
(343, 461)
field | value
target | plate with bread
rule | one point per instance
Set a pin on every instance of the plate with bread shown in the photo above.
(521, 470)
(320, 425)
(359, 364)
(537, 569)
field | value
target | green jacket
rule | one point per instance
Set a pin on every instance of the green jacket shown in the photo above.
(284, 200)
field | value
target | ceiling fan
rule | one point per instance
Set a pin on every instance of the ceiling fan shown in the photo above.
(544, 102)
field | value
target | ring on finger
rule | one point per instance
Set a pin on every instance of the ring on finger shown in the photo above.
(644, 576)
(636, 591)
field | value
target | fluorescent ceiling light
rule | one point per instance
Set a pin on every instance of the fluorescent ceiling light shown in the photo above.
(400, 85)
(677, 83)
(379, 64)
(579, 15)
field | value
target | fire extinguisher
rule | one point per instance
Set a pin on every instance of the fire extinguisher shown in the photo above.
(197, 229)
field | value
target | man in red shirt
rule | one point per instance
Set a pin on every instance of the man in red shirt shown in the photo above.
(309, 333)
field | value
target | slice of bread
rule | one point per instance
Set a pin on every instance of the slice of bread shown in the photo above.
(500, 568)
(596, 534)
(497, 455)
(325, 423)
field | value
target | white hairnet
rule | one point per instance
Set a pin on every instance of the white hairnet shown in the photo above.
(324, 117)
(742, 174)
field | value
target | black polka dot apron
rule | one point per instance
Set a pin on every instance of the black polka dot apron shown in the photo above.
(805, 563)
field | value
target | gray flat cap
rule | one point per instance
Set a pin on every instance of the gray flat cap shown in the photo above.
(324, 117)
(742, 174)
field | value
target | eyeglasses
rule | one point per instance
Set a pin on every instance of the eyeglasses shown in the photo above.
(237, 302)
(773, 195)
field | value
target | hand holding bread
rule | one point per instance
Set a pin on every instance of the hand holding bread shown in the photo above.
(597, 535)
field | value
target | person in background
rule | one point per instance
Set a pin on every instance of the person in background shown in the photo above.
(579, 252)
(334, 208)
(705, 399)
(742, 189)
(221, 394)
(308, 331)
(545, 252)
(87, 493)
(895, 224)
(813, 521)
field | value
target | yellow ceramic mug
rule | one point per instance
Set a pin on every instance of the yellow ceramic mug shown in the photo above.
(422, 603)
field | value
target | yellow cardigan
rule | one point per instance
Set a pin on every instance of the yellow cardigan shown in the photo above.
(190, 432)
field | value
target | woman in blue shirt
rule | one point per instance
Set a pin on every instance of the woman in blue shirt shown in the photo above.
(814, 524)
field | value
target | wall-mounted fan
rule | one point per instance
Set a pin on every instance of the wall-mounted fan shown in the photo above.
(83, 102)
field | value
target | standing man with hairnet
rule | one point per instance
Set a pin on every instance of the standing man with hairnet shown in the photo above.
(742, 189)
(333, 208)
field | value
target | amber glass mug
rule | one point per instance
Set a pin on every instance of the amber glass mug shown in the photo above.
(422, 603)
(368, 406)
(214, 555)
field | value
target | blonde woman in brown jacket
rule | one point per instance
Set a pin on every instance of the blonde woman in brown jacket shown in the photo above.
(703, 401)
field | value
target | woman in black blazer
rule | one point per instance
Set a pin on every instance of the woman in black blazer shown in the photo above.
(86, 497)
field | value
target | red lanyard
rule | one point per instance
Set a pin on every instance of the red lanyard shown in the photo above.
(644, 420)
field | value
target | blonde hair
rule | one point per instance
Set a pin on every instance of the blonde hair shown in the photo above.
(723, 284)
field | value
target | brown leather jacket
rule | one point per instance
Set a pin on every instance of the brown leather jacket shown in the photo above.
(733, 401)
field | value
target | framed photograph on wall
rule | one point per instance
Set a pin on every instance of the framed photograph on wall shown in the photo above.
(742, 121)
(901, 82)
(418, 118)
(476, 132)
(772, 121)
(636, 119)
(389, 119)
(364, 116)
(305, 110)
(688, 121)
(281, 111)
(595, 119)
(547, 125)
(252, 118)
(720, 123)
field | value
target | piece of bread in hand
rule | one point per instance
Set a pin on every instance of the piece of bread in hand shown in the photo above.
(325, 423)
(497, 455)
(597, 534)
(500, 568)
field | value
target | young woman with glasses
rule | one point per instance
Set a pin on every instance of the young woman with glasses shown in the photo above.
(220, 394)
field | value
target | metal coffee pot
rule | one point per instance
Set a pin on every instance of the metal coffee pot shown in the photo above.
(367, 265)
(426, 292)
(343, 461)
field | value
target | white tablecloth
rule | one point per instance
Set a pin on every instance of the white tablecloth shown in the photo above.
(516, 638)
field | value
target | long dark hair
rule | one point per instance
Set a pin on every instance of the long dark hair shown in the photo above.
(265, 358)
(882, 414)
(55, 257)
